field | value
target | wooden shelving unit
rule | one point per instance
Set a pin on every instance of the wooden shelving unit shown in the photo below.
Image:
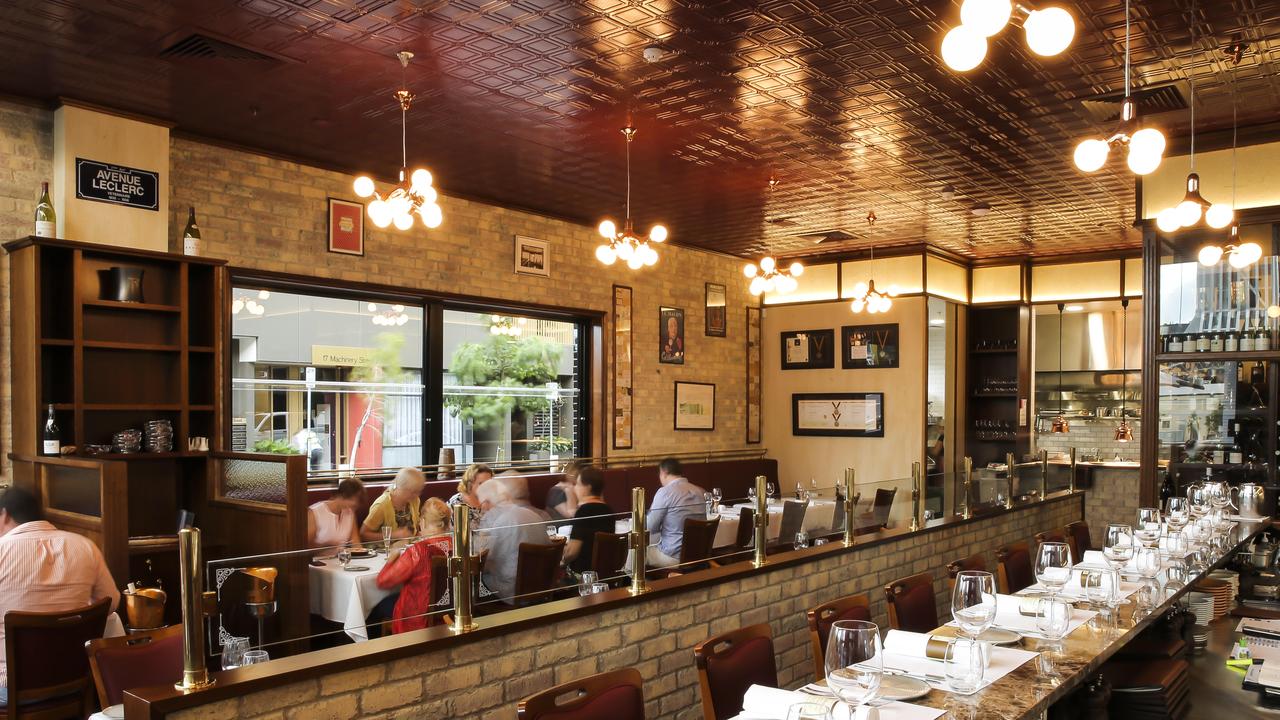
(1002, 325)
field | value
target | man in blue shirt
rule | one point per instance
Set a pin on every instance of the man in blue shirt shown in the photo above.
(676, 500)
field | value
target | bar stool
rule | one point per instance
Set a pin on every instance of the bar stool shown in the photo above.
(821, 618)
(1013, 567)
(913, 606)
(730, 663)
(617, 695)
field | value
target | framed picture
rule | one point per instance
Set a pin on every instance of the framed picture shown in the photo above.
(869, 346)
(533, 257)
(808, 349)
(754, 387)
(717, 310)
(346, 227)
(622, 369)
(838, 414)
(671, 335)
(695, 406)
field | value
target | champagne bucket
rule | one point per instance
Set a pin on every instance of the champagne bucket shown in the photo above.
(145, 608)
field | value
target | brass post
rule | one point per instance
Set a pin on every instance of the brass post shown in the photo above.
(195, 676)
(639, 540)
(1011, 473)
(462, 565)
(761, 519)
(1072, 486)
(916, 480)
(968, 488)
(1044, 473)
(848, 507)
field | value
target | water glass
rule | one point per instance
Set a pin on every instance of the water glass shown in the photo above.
(233, 650)
(1147, 529)
(1147, 563)
(1117, 545)
(1053, 565)
(599, 587)
(973, 601)
(751, 494)
(802, 540)
(587, 581)
(253, 657)
(965, 664)
(810, 710)
(1053, 617)
(1097, 586)
(344, 556)
(854, 662)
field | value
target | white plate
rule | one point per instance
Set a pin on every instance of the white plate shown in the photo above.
(356, 568)
(902, 687)
(1000, 636)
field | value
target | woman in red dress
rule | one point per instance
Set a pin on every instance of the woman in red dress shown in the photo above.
(411, 567)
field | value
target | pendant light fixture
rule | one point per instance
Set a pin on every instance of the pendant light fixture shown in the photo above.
(1144, 146)
(626, 246)
(769, 276)
(866, 297)
(1239, 255)
(414, 194)
(1049, 31)
(1124, 433)
(1060, 425)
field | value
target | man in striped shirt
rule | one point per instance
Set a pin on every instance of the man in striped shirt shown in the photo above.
(43, 568)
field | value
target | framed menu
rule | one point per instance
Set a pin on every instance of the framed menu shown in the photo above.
(754, 388)
(808, 349)
(838, 414)
(623, 429)
(869, 346)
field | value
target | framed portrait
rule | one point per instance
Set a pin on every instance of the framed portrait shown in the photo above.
(695, 407)
(346, 227)
(533, 257)
(622, 369)
(869, 346)
(754, 387)
(838, 414)
(808, 349)
(671, 335)
(716, 310)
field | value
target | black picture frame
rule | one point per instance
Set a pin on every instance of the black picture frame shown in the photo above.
(693, 387)
(671, 349)
(716, 315)
(817, 347)
(802, 417)
(869, 346)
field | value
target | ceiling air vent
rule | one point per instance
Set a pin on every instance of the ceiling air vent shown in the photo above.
(828, 236)
(1151, 101)
(203, 46)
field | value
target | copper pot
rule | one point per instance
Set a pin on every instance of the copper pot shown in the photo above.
(144, 608)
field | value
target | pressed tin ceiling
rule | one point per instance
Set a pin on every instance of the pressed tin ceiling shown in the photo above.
(846, 101)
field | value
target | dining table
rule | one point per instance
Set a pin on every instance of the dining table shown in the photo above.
(347, 595)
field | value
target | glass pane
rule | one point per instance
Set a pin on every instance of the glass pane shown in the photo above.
(511, 388)
(947, 279)
(336, 379)
(1000, 283)
(1213, 419)
(1075, 281)
(818, 282)
(902, 273)
(940, 364)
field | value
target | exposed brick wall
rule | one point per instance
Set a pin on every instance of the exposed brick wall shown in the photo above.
(1113, 498)
(486, 678)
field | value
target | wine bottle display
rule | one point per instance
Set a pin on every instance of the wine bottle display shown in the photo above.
(52, 444)
(46, 219)
(191, 235)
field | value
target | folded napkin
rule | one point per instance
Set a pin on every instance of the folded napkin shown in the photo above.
(1010, 615)
(766, 703)
(1075, 590)
(906, 652)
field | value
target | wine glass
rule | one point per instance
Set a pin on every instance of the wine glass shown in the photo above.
(233, 650)
(1053, 566)
(809, 710)
(1096, 586)
(253, 657)
(854, 662)
(1176, 512)
(386, 538)
(973, 602)
(1053, 617)
(802, 540)
(1197, 500)
(751, 495)
(771, 490)
(1117, 545)
(717, 495)
(588, 580)
(1146, 561)
(1147, 529)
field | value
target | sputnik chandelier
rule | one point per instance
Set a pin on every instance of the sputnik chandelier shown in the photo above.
(769, 277)
(626, 246)
(1239, 255)
(1049, 31)
(412, 196)
(867, 297)
(510, 327)
(250, 305)
(1144, 146)
(395, 316)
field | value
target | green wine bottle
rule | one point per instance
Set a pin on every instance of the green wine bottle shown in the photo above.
(46, 219)
(191, 235)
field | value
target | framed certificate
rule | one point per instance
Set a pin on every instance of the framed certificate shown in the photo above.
(808, 349)
(838, 414)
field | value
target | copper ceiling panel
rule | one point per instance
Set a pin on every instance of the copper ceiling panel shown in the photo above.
(519, 103)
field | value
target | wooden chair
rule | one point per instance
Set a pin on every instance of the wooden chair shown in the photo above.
(617, 695)
(1078, 538)
(536, 568)
(838, 518)
(912, 604)
(875, 519)
(48, 669)
(1014, 570)
(132, 661)
(1057, 535)
(696, 545)
(730, 663)
(608, 555)
(821, 618)
(955, 567)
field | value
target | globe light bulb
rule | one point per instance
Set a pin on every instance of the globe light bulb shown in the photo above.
(237, 306)
(873, 307)
(1167, 220)
(606, 255)
(768, 284)
(1218, 216)
(403, 222)
(428, 194)
(432, 215)
(1252, 250)
(749, 270)
(635, 262)
(1049, 31)
(1273, 311)
(372, 307)
(963, 49)
(658, 233)
(860, 289)
(786, 284)
(985, 17)
(1189, 213)
(857, 305)
(796, 269)
(608, 229)
(399, 204)
(1091, 154)
(893, 291)
(625, 251)
(1147, 140)
(886, 305)
(768, 264)
(264, 294)
(1142, 161)
(363, 186)
(1209, 255)
(420, 180)
(380, 213)
(650, 256)
(757, 285)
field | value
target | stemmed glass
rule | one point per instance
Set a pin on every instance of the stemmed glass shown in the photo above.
(802, 540)
(973, 602)
(854, 662)
(1197, 500)
(386, 539)
(1176, 513)
(751, 495)
(1117, 545)
(1053, 566)
(1147, 529)
(771, 490)
(716, 496)
(1147, 562)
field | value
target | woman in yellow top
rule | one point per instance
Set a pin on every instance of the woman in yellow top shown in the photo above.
(397, 507)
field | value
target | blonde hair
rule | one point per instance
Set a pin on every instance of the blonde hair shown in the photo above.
(409, 478)
(434, 509)
(469, 477)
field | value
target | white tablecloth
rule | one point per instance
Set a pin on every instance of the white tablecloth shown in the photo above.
(347, 597)
(817, 518)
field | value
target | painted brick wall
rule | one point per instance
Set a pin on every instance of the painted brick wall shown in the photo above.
(486, 678)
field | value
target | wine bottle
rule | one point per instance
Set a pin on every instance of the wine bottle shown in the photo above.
(46, 219)
(1166, 488)
(52, 441)
(191, 234)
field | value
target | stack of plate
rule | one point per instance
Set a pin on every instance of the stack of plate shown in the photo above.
(1201, 605)
(1229, 576)
(127, 441)
(1222, 593)
(1199, 638)
(158, 436)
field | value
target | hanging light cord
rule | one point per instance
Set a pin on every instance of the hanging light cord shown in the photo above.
(1234, 128)
(1061, 307)
(1191, 73)
(628, 136)
(1124, 355)
(1126, 48)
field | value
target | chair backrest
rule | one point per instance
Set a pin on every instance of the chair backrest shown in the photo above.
(912, 603)
(608, 554)
(1057, 535)
(730, 663)
(881, 505)
(536, 568)
(133, 661)
(45, 653)
(746, 528)
(699, 537)
(821, 618)
(973, 562)
(1013, 567)
(837, 516)
(616, 695)
(1078, 538)
(439, 581)
(792, 520)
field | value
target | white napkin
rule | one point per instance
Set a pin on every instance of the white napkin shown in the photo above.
(1009, 618)
(766, 703)
(1093, 558)
(1003, 660)
(1075, 591)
